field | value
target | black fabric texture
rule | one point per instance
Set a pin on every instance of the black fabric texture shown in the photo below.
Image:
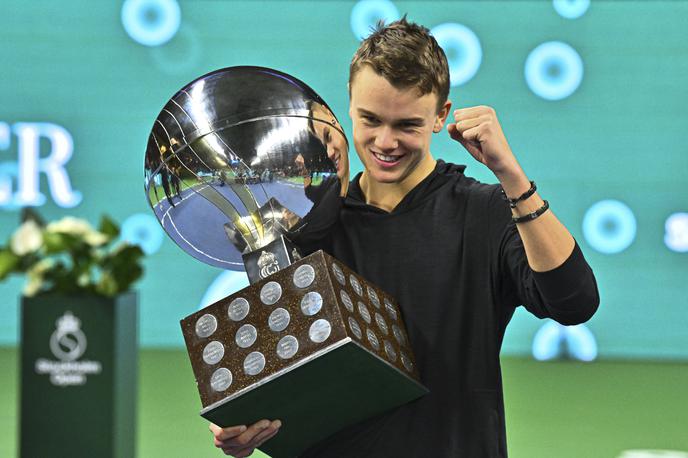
(451, 256)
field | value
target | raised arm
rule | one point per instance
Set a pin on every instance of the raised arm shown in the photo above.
(546, 241)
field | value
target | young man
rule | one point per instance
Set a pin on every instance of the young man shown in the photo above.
(458, 256)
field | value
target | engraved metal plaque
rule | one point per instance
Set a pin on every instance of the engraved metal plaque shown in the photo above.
(338, 274)
(213, 352)
(373, 297)
(270, 293)
(254, 363)
(238, 309)
(221, 379)
(311, 303)
(381, 323)
(246, 336)
(355, 328)
(363, 310)
(398, 334)
(406, 361)
(390, 351)
(320, 331)
(278, 319)
(372, 338)
(304, 276)
(287, 347)
(356, 285)
(206, 325)
(346, 300)
(391, 311)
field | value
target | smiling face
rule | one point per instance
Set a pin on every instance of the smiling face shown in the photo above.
(392, 129)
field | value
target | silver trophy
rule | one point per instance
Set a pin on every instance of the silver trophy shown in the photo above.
(246, 168)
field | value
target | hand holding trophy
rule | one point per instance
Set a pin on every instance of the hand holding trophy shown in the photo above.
(246, 168)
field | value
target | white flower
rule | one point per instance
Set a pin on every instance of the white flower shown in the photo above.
(32, 286)
(70, 225)
(26, 239)
(34, 276)
(95, 238)
(83, 280)
(79, 227)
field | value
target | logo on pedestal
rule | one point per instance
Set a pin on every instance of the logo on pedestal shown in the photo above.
(68, 344)
(268, 264)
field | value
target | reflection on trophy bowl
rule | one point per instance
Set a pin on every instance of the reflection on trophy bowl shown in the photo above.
(241, 156)
(314, 345)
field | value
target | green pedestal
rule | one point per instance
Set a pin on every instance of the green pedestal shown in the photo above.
(79, 369)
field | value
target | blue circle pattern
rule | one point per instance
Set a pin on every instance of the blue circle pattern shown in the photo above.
(676, 232)
(571, 9)
(143, 230)
(609, 226)
(151, 22)
(553, 70)
(463, 50)
(580, 342)
(226, 283)
(366, 13)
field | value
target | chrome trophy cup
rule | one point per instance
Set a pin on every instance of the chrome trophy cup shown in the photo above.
(246, 168)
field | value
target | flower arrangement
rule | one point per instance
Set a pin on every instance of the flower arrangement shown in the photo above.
(70, 256)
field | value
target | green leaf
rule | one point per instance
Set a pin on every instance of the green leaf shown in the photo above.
(108, 227)
(8, 261)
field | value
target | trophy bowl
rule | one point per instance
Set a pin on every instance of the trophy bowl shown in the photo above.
(240, 156)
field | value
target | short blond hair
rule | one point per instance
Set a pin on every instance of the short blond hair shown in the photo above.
(406, 55)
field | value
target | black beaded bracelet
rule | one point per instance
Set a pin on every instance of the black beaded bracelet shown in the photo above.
(522, 197)
(531, 216)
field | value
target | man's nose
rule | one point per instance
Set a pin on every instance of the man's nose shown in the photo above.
(385, 139)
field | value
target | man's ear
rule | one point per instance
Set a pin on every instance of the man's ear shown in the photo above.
(441, 116)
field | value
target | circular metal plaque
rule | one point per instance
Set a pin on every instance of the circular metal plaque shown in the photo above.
(347, 301)
(254, 363)
(373, 297)
(338, 274)
(278, 320)
(213, 352)
(372, 338)
(391, 311)
(304, 276)
(356, 285)
(363, 310)
(206, 325)
(389, 350)
(270, 293)
(221, 379)
(238, 309)
(398, 334)
(311, 303)
(355, 328)
(408, 365)
(246, 336)
(381, 323)
(320, 331)
(287, 347)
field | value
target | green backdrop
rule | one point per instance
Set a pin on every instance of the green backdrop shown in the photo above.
(610, 153)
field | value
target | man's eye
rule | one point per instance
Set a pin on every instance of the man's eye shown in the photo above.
(409, 126)
(369, 119)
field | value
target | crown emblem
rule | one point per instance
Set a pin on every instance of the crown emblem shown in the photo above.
(266, 259)
(68, 323)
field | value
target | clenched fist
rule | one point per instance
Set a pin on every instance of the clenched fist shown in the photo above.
(478, 130)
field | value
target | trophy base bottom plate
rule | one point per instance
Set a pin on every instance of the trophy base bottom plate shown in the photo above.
(315, 400)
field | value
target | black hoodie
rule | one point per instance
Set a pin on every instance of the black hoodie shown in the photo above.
(453, 259)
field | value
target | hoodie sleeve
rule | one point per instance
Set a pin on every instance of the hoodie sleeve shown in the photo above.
(568, 293)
